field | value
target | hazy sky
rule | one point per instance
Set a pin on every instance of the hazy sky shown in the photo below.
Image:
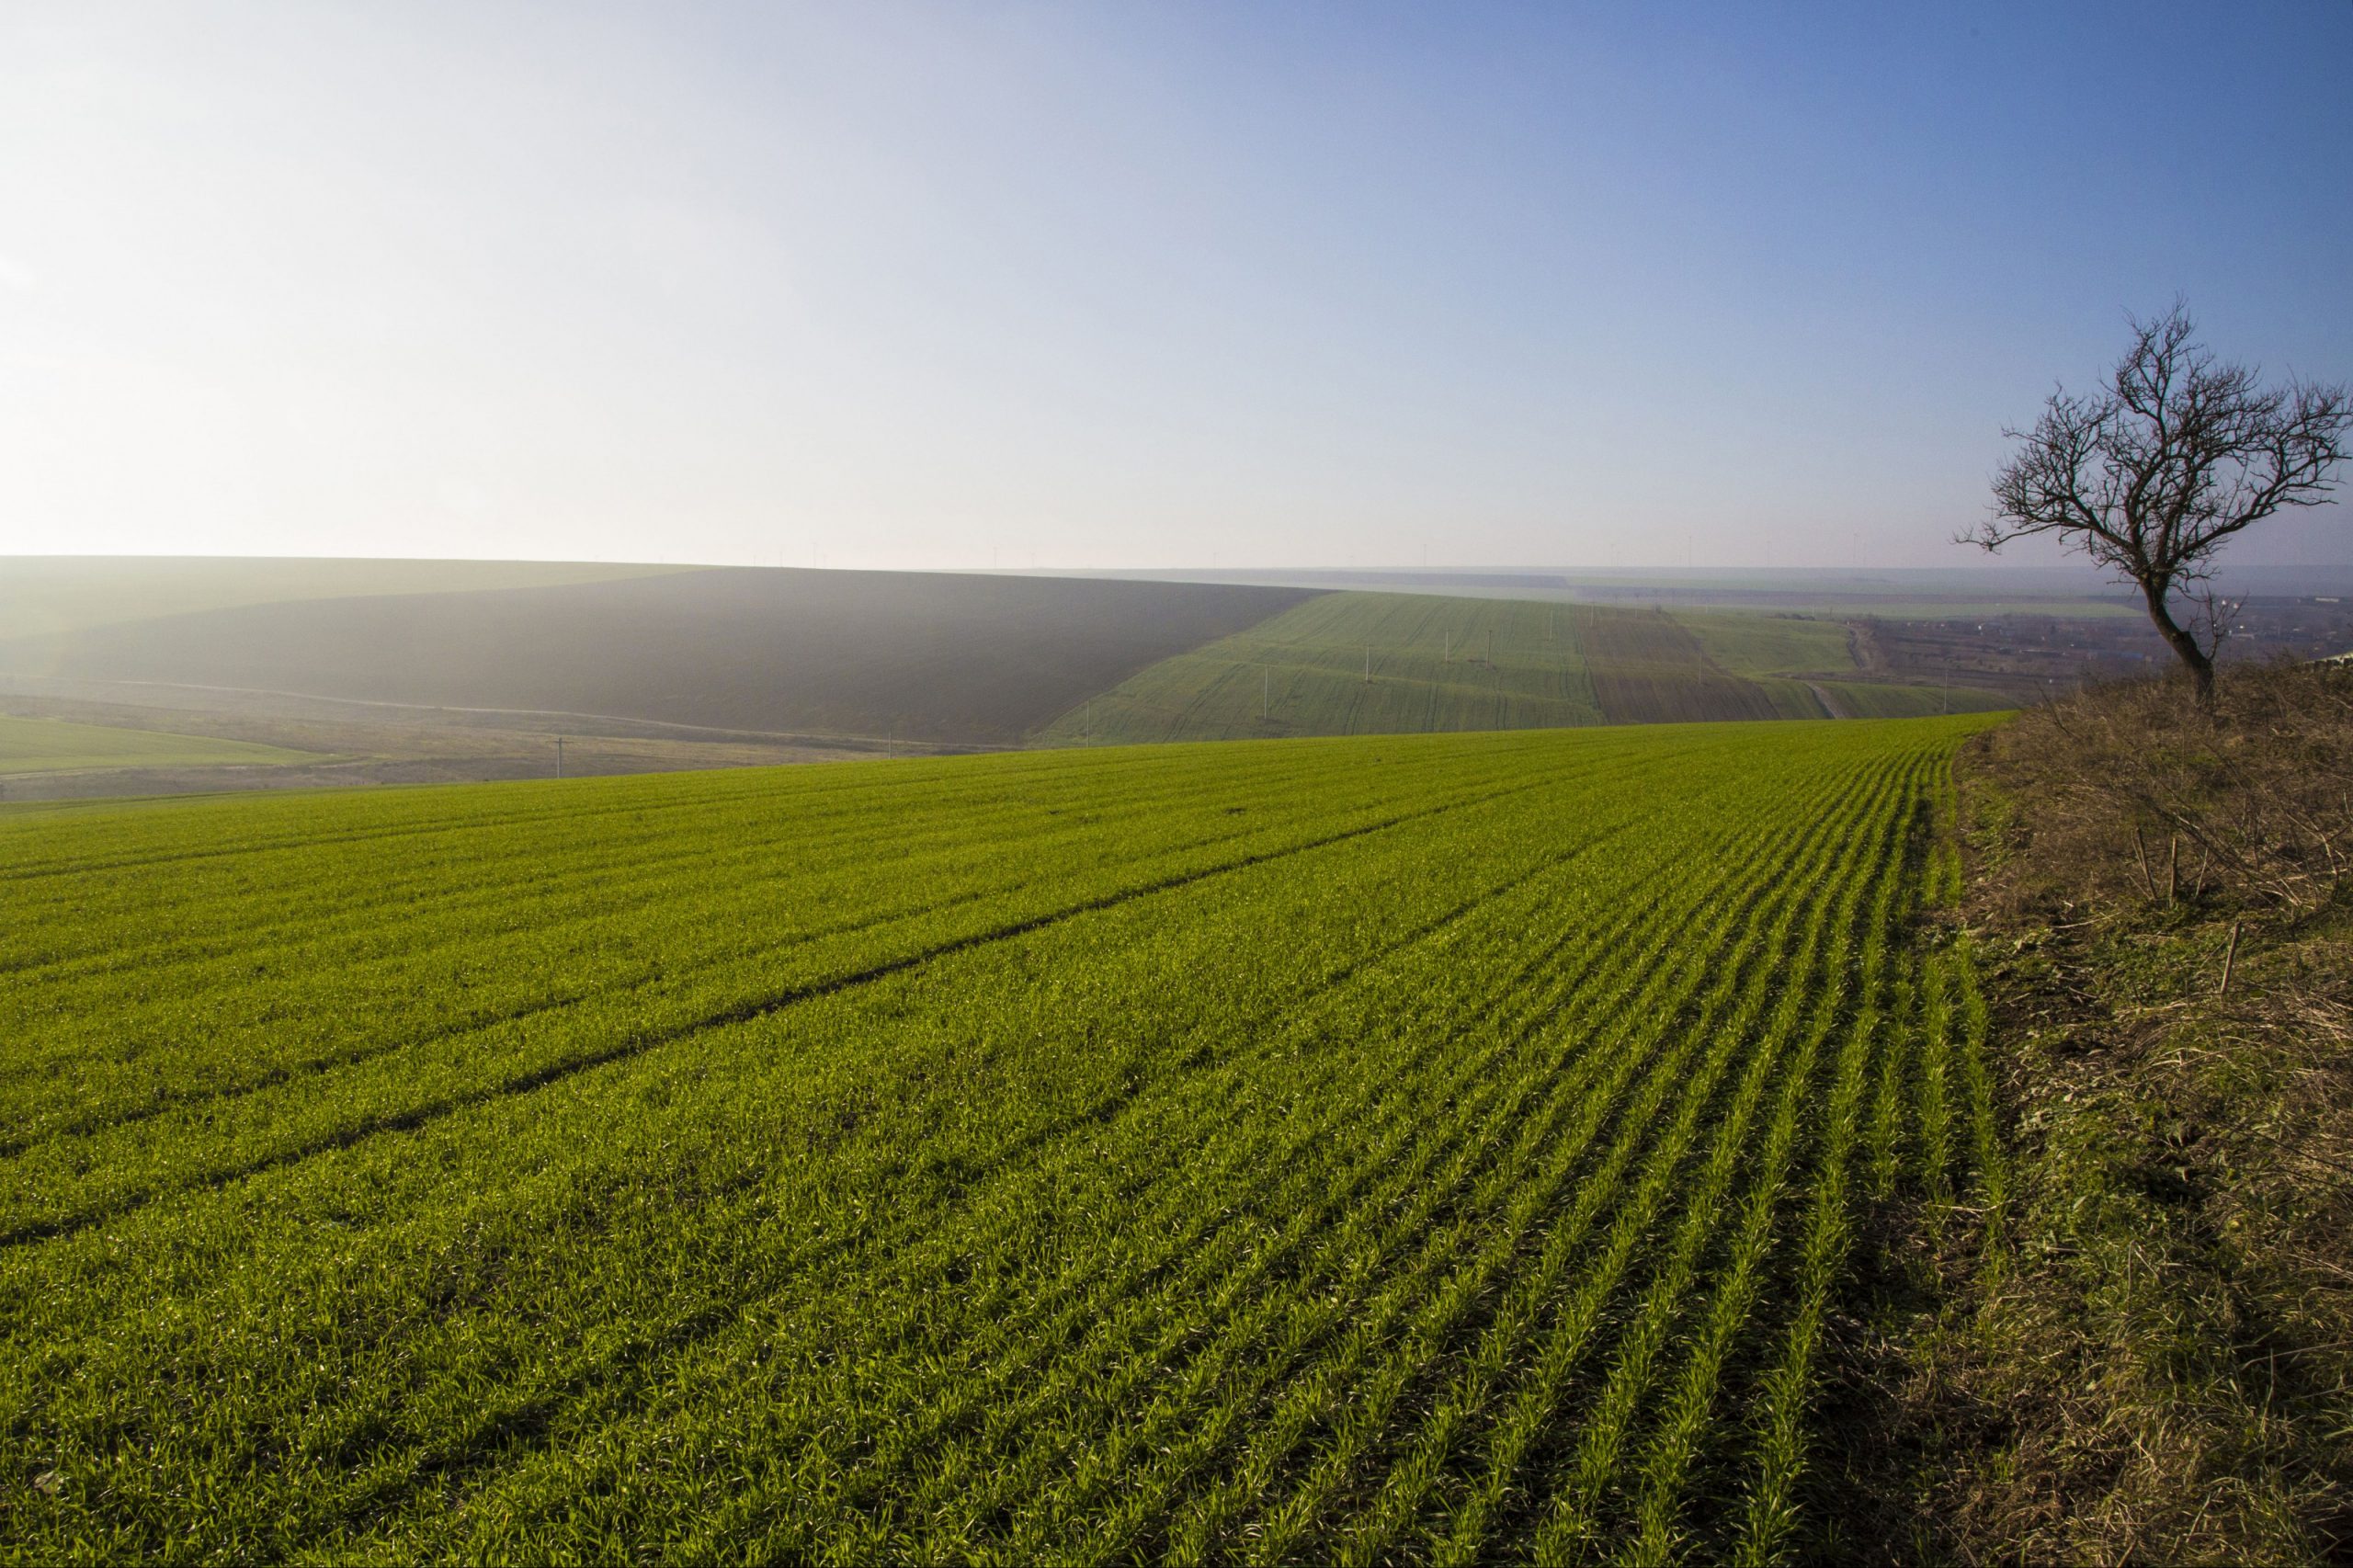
(1124, 284)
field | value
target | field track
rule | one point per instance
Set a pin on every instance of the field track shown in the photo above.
(1422, 1148)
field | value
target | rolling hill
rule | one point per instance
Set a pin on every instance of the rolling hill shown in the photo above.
(45, 594)
(912, 656)
(891, 660)
(1368, 663)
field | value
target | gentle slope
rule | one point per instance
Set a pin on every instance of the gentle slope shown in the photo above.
(1428, 1147)
(1373, 664)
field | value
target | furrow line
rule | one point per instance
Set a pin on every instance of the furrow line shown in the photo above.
(1441, 1317)
(1571, 1526)
(1562, 1347)
(1675, 1447)
(413, 1117)
(1431, 1255)
(719, 1315)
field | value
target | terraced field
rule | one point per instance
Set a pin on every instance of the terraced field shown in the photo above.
(1428, 1148)
(1376, 663)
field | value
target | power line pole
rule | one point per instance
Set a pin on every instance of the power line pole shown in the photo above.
(559, 756)
(1265, 691)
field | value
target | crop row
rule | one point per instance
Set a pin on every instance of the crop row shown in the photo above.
(1247, 1152)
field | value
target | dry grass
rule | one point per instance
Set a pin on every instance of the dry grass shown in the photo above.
(2153, 1362)
(2132, 791)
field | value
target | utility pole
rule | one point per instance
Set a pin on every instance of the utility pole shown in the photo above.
(1265, 691)
(1368, 663)
(559, 756)
(1447, 644)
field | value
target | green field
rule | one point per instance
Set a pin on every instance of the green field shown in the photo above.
(1752, 644)
(1382, 664)
(51, 745)
(1430, 1148)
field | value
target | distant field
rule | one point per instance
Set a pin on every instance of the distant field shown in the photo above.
(324, 747)
(1861, 606)
(48, 745)
(1445, 663)
(1436, 663)
(1868, 699)
(1414, 1149)
(1649, 667)
(1748, 643)
(1908, 595)
(908, 656)
(878, 661)
(45, 594)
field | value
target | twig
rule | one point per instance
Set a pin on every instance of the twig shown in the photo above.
(2230, 958)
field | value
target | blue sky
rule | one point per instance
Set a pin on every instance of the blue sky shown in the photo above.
(1126, 285)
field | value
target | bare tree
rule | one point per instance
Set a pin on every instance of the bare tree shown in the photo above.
(2152, 473)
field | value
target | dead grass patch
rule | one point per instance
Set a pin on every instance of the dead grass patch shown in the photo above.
(2150, 1359)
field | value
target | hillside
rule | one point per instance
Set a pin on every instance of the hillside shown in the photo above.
(44, 595)
(1363, 663)
(238, 743)
(692, 666)
(1421, 1148)
(49, 745)
(912, 656)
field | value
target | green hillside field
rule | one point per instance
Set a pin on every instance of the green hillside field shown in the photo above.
(1752, 644)
(51, 745)
(1428, 1148)
(1372, 664)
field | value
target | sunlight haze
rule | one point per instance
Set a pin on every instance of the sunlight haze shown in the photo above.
(1135, 287)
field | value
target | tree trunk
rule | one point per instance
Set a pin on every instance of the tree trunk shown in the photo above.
(2201, 668)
